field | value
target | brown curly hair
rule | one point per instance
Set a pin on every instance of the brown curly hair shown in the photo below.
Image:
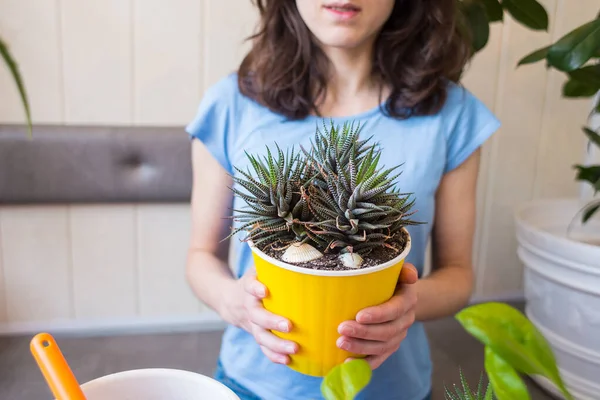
(419, 49)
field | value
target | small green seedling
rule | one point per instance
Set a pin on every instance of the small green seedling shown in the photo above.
(346, 380)
(465, 393)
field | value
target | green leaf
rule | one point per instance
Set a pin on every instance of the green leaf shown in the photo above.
(513, 337)
(489, 392)
(589, 174)
(535, 56)
(493, 10)
(528, 12)
(593, 136)
(505, 380)
(575, 48)
(589, 74)
(590, 210)
(574, 88)
(14, 70)
(346, 380)
(478, 24)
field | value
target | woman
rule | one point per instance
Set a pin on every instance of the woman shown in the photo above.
(390, 65)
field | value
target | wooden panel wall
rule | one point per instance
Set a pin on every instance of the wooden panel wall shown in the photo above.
(94, 263)
(147, 62)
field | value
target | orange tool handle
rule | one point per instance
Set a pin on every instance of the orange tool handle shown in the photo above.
(54, 367)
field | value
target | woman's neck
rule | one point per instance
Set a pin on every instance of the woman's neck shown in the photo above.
(351, 88)
(351, 72)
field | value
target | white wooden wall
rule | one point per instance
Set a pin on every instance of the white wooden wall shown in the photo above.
(95, 266)
(147, 62)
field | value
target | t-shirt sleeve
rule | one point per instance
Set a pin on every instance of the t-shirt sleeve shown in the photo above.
(213, 122)
(469, 124)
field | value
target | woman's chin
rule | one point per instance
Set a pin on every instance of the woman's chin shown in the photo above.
(344, 41)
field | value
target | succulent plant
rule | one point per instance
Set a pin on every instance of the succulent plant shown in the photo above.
(332, 198)
(274, 198)
(465, 392)
(355, 205)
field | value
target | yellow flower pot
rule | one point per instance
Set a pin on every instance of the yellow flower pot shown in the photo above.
(317, 301)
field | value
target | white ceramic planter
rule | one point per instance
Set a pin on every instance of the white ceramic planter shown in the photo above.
(562, 289)
(156, 384)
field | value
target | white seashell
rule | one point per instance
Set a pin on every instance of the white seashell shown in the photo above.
(298, 253)
(351, 260)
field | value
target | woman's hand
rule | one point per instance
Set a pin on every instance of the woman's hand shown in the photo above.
(378, 331)
(245, 310)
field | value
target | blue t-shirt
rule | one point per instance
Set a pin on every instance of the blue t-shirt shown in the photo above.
(229, 124)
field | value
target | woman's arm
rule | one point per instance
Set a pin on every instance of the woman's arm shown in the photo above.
(207, 271)
(238, 301)
(448, 288)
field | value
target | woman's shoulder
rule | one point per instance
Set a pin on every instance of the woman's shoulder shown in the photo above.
(226, 96)
(224, 91)
(462, 105)
(459, 98)
(215, 118)
(467, 123)
(225, 117)
(221, 103)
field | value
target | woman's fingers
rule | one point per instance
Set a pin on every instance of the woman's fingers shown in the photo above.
(409, 274)
(274, 343)
(262, 322)
(391, 310)
(275, 357)
(265, 319)
(369, 347)
(254, 287)
(382, 332)
(257, 314)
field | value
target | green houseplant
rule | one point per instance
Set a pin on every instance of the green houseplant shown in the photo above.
(576, 54)
(331, 199)
(464, 392)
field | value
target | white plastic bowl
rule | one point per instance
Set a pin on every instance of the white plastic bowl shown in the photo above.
(156, 384)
